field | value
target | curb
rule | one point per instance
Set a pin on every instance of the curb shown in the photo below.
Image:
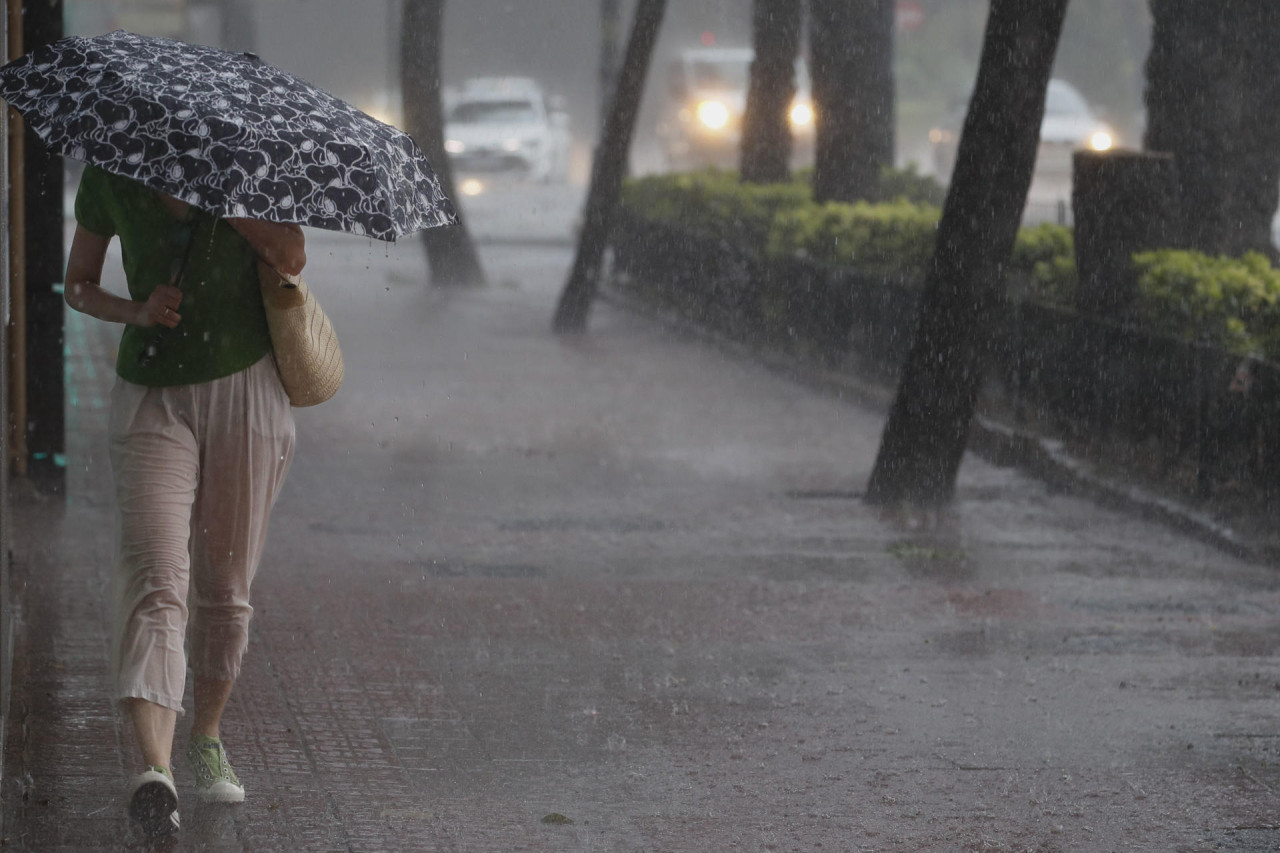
(1047, 460)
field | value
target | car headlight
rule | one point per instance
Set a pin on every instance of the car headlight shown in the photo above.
(511, 144)
(801, 115)
(1101, 141)
(713, 114)
(454, 146)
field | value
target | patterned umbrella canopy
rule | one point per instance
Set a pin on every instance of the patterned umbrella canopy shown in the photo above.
(225, 132)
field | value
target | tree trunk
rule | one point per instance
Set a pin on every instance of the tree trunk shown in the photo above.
(851, 44)
(1213, 101)
(237, 24)
(766, 126)
(451, 254)
(607, 171)
(610, 36)
(1255, 176)
(928, 424)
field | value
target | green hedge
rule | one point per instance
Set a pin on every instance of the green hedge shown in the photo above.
(892, 236)
(782, 220)
(1046, 255)
(714, 204)
(1231, 302)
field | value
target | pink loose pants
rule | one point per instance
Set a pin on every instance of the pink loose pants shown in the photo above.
(197, 469)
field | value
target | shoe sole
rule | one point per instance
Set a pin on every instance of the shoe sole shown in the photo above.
(154, 805)
(221, 792)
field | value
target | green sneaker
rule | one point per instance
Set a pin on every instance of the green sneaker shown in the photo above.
(216, 782)
(153, 802)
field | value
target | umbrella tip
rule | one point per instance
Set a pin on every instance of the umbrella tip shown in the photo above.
(253, 56)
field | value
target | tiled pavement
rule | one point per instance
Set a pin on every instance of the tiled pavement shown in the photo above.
(623, 579)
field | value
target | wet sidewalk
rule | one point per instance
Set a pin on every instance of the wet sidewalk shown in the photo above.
(617, 593)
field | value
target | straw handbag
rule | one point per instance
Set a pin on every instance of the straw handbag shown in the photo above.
(306, 347)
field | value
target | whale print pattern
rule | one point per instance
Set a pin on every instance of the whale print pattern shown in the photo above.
(225, 132)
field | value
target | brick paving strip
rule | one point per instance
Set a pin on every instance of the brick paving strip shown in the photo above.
(622, 580)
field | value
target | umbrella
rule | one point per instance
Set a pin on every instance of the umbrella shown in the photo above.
(225, 132)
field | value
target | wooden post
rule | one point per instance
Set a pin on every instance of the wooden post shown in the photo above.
(44, 221)
(17, 338)
(1124, 202)
(6, 531)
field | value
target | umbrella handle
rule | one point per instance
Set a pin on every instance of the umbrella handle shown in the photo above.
(185, 231)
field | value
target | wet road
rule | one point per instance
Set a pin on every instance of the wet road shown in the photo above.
(625, 579)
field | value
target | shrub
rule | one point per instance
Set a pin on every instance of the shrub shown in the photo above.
(909, 185)
(887, 237)
(714, 204)
(1229, 302)
(1233, 303)
(717, 204)
(1045, 253)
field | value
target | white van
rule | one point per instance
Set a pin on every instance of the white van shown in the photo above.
(704, 98)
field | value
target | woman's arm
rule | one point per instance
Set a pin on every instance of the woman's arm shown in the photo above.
(83, 289)
(281, 245)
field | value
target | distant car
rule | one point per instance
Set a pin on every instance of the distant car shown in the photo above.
(505, 126)
(701, 118)
(1069, 125)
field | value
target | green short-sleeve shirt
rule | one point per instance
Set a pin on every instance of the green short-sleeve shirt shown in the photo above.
(223, 328)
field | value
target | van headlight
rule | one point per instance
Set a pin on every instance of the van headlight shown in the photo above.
(712, 114)
(1101, 141)
(454, 146)
(801, 115)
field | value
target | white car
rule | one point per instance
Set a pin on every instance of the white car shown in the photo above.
(504, 126)
(1069, 125)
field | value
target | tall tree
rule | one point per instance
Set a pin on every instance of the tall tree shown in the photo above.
(607, 170)
(851, 45)
(451, 254)
(766, 128)
(237, 25)
(610, 36)
(928, 424)
(1213, 101)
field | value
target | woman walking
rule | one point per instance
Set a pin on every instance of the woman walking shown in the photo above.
(201, 438)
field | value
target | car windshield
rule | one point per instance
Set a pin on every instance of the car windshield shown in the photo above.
(493, 112)
(718, 74)
(732, 75)
(1061, 99)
